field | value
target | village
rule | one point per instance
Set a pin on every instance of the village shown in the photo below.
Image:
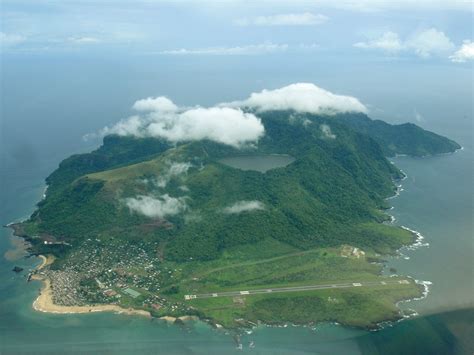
(127, 275)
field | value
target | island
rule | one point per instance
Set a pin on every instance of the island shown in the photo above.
(291, 229)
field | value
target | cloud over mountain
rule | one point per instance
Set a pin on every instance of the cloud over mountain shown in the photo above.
(227, 123)
(302, 97)
(326, 131)
(173, 170)
(160, 207)
(160, 103)
(244, 206)
(161, 118)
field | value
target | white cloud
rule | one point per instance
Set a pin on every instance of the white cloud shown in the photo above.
(389, 41)
(303, 97)
(220, 124)
(407, 5)
(429, 42)
(227, 123)
(301, 19)
(160, 103)
(83, 40)
(244, 206)
(160, 207)
(418, 116)
(132, 126)
(309, 46)
(424, 43)
(175, 169)
(369, 5)
(326, 130)
(252, 49)
(464, 54)
(8, 39)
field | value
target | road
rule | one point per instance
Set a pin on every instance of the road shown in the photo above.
(295, 289)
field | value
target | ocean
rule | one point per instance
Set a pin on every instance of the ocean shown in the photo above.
(47, 106)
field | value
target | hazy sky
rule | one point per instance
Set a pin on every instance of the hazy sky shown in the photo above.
(401, 30)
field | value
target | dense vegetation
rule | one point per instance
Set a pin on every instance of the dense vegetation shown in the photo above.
(332, 194)
(115, 151)
(405, 138)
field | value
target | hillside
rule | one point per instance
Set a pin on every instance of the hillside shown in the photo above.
(180, 208)
(407, 138)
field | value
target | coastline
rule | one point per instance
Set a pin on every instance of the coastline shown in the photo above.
(44, 303)
(45, 261)
(418, 242)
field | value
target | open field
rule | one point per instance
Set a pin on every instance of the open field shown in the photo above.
(294, 289)
(306, 286)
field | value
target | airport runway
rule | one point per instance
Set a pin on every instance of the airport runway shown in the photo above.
(294, 289)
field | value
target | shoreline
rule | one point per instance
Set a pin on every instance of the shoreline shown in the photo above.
(44, 303)
(45, 261)
(418, 242)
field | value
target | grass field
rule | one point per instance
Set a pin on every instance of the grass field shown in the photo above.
(283, 266)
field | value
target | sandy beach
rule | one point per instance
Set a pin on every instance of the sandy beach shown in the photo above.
(45, 261)
(44, 302)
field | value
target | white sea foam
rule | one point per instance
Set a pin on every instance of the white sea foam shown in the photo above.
(419, 241)
(426, 289)
(45, 191)
(404, 175)
(424, 294)
(397, 192)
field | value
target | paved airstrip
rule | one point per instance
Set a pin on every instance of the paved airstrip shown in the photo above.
(295, 289)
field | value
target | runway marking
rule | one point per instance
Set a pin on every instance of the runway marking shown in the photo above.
(295, 289)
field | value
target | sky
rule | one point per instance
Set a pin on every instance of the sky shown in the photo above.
(405, 29)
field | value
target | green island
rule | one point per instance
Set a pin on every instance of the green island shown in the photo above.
(179, 230)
